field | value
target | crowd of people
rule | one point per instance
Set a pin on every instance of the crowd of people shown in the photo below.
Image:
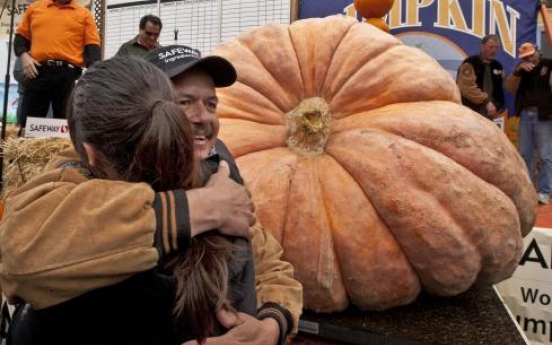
(143, 232)
(482, 83)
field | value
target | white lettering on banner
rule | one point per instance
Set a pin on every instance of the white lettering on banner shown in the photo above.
(183, 52)
(500, 19)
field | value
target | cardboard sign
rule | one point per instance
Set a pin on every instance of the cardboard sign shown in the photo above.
(528, 293)
(39, 127)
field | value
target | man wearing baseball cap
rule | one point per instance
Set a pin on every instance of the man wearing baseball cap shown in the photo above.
(279, 296)
(530, 82)
(219, 205)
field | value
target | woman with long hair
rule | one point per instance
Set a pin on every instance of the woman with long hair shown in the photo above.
(125, 126)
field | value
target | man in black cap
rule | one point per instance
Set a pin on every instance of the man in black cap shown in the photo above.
(195, 79)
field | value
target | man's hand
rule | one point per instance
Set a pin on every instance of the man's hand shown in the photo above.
(243, 330)
(29, 65)
(525, 66)
(491, 110)
(222, 204)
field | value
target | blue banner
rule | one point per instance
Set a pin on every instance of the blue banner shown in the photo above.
(450, 30)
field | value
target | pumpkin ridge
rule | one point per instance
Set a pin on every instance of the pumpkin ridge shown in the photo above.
(384, 43)
(268, 70)
(364, 63)
(262, 136)
(461, 142)
(233, 108)
(420, 271)
(402, 268)
(485, 203)
(314, 47)
(389, 87)
(345, 33)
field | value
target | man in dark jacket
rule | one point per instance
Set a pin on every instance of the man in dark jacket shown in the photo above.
(479, 79)
(147, 39)
(530, 82)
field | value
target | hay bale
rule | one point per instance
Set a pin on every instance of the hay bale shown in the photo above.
(11, 131)
(24, 158)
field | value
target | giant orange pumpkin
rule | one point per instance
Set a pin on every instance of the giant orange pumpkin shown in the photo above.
(365, 166)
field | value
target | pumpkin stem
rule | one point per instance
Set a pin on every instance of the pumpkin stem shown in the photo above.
(309, 126)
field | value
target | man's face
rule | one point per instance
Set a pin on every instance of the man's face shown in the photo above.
(489, 50)
(149, 35)
(196, 94)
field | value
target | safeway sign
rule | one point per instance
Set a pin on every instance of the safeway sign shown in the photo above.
(38, 127)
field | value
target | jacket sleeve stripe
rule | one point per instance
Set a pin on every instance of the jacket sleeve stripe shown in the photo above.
(162, 221)
(173, 221)
(182, 217)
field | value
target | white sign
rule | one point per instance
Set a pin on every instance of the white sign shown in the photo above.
(528, 293)
(40, 127)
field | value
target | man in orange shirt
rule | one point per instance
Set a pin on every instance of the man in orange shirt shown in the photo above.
(55, 40)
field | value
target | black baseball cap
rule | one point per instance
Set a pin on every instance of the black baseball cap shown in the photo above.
(175, 59)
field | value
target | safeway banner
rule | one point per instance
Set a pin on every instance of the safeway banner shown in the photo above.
(449, 30)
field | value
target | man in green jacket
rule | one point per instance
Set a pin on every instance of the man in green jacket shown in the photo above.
(147, 39)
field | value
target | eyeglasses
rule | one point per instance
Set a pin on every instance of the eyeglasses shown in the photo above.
(151, 34)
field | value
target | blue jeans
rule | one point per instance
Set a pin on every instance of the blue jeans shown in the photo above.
(532, 134)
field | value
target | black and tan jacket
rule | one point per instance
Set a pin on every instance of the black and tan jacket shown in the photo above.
(469, 79)
(48, 258)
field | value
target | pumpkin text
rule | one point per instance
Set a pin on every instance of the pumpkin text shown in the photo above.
(494, 18)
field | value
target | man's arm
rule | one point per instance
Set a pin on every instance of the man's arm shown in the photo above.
(279, 294)
(512, 82)
(92, 53)
(20, 45)
(63, 235)
(466, 81)
(91, 50)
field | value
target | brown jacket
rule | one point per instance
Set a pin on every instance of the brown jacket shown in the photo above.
(47, 260)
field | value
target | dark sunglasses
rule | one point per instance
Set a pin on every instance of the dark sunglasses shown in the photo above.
(151, 34)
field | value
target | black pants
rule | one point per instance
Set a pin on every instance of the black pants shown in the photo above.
(52, 85)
